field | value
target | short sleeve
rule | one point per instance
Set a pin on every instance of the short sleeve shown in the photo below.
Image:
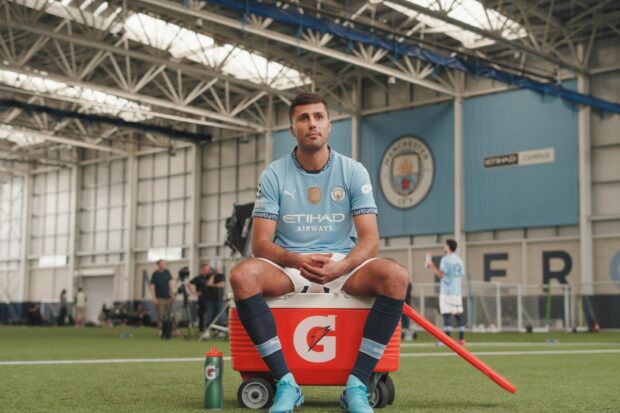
(152, 279)
(362, 199)
(267, 204)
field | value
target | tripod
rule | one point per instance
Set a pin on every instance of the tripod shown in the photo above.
(214, 326)
(187, 314)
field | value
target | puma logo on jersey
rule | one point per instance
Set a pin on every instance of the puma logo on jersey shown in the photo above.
(291, 194)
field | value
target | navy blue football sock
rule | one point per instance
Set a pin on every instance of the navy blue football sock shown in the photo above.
(380, 324)
(461, 323)
(258, 321)
(447, 323)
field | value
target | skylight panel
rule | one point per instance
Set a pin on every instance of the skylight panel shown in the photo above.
(19, 137)
(178, 41)
(235, 61)
(471, 12)
(94, 101)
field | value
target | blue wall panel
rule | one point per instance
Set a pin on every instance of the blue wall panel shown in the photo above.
(339, 139)
(435, 126)
(519, 196)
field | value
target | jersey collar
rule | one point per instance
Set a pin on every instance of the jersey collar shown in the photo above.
(330, 158)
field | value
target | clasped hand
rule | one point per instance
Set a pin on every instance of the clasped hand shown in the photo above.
(320, 268)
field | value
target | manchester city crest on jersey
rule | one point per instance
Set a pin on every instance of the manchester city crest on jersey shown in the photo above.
(407, 171)
(314, 194)
(337, 193)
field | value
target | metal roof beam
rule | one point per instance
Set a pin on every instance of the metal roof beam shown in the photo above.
(196, 71)
(67, 141)
(490, 35)
(295, 42)
(148, 100)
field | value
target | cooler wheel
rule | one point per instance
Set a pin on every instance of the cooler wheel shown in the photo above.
(391, 389)
(255, 393)
(380, 397)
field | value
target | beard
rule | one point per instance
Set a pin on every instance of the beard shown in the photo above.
(312, 146)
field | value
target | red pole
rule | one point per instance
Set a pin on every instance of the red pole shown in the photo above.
(460, 350)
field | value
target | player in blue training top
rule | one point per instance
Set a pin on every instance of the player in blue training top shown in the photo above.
(450, 272)
(314, 230)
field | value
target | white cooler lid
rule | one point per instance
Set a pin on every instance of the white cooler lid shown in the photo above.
(319, 300)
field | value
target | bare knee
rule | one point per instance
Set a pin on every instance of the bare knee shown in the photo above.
(394, 281)
(243, 280)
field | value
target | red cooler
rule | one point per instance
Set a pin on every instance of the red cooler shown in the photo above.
(320, 336)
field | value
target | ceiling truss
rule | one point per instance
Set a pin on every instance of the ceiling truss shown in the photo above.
(76, 44)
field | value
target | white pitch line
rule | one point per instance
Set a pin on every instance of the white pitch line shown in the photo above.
(513, 353)
(518, 344)
(196, 359)
(100, 361)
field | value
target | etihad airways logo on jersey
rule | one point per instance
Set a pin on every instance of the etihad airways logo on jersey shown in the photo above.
(312, 218)
(314, 222)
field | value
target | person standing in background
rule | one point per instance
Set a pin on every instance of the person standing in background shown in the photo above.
(216, 283)
(450, 272)
(198, 287)
(62, 313)
(80, 307)
(162, 291)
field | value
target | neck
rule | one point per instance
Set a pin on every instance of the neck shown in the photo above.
(312, 161)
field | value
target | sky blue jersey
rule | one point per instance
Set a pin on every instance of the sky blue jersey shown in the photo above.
(314, 210)
(452, 267)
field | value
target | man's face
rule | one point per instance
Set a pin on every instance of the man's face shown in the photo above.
(446, 249)
(162, 265)
(205, 269)
(311, 126)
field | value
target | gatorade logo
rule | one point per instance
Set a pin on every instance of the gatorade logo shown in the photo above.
(210, 372)
(314, 340)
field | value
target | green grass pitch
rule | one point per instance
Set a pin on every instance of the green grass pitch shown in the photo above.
(584, 379)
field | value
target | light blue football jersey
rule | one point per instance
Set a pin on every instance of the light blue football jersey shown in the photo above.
(452, 267)
(314, 210)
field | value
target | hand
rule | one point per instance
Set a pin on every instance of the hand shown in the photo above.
(428, 262)
(311, 259)
(321, 269)
(155, 301)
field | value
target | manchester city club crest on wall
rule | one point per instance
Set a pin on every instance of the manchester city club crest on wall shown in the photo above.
(407, 171)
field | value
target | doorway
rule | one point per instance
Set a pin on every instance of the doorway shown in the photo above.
(99, 290)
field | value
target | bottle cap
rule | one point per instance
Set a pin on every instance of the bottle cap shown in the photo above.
(214, 352)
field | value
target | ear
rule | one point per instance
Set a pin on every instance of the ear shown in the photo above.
(292, 131)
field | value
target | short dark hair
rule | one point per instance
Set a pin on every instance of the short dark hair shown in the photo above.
(451, 244)
(306, 99)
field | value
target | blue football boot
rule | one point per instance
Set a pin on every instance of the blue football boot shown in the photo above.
(354, 398)
(288, 395)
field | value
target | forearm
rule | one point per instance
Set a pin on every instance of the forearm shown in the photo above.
(364, 250)
(275, 253)
(437, 271)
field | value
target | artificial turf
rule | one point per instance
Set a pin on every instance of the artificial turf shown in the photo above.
(545, 382)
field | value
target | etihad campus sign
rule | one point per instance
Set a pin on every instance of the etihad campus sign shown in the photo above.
(407, 171)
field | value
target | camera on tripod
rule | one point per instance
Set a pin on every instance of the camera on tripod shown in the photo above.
(183, 273)
(183, 276)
